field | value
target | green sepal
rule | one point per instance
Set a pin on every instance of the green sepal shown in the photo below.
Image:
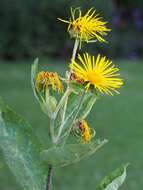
(21, 149)
(51, 103)
(61, 156)
(114, 180)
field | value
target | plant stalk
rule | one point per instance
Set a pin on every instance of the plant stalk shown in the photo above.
(67, 92)
(76, 44)
(52, 122)
(49, 178)
(79, 106)
(65, 97)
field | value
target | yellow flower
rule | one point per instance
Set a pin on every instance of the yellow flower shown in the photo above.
(99, 73)
(86, 132)
(87, 27)
(46, 79)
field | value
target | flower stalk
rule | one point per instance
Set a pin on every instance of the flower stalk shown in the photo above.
(49, 178)
(67, 93)
(76, 44)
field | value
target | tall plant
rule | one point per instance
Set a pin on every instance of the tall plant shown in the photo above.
(67, 101)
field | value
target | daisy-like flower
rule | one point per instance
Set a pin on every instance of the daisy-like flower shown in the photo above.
(46, 79)
(87, 27)
(99, 73)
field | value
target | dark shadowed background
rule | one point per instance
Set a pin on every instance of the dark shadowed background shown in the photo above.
(30, 28)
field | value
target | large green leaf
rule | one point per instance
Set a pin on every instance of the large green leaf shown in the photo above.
(70, 153)
(114, 180)
(21, 150)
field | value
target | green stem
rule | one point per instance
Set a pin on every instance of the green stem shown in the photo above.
(66, 94)
(52, 135)
(76, 44)
(79, 106)
(65, 98)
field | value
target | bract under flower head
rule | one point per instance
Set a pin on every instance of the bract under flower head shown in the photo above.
(100, 73)
(87, 27)
(75, 78)
(46, 79)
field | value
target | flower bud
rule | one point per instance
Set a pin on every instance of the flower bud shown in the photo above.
(46, 83)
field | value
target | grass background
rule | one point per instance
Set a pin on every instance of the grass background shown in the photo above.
(118, 118)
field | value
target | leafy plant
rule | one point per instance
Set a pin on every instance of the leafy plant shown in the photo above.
(66, 101)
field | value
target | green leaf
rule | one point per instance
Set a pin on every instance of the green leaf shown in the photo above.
(77, 88)
(70, 153)
(21, 150)
(87, 104)
(34, 71)
(73, 113)
(114, 180)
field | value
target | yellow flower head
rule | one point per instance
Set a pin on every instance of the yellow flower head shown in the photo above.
(86, 132)
(46, 79)
(99, 73)
(87, 27)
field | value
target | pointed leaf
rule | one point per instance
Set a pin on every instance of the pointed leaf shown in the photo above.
(34, 71)
(114, 180)
(70, 153)
(87, 104)
(21, 150)
(73, 113)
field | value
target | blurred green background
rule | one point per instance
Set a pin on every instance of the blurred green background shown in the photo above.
(29, 29)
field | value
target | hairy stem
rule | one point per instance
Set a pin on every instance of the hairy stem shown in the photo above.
(49, 178)
(76, 44)
(52, 135)
(65, 97)
(79, 106)
(67, 92)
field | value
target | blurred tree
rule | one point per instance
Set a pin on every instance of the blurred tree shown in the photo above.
(30, 28)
